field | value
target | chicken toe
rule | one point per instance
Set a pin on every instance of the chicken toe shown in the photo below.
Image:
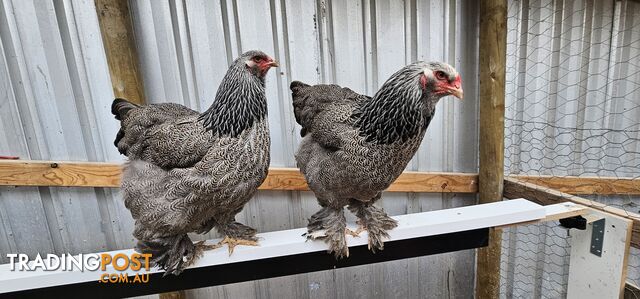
(233, 242)
(356, 233)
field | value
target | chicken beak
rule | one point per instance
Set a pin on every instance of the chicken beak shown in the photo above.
(455, 88)
(273, 63)
(457, 92)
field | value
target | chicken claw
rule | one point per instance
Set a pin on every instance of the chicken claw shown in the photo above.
(355, 234)
(233, 242)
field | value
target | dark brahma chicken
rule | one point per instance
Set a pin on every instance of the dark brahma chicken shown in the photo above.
(191, 172)
(355, 146)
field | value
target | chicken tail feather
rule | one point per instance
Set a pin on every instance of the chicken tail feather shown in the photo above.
(297, 85)
(297, 91)
(120, 107)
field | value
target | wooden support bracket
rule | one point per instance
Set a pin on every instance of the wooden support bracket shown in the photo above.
(601, 275)
(514, 188)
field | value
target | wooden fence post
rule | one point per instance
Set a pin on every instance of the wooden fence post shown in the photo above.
(122, 56)
(120, 48)
(492, 47)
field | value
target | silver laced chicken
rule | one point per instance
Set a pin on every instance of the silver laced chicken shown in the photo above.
(189, 172)
(355, 146)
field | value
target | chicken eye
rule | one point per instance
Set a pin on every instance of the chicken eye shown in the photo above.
(440, 75)
(258, 59)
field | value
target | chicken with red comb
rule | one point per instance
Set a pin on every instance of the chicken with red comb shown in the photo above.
(355, 146)
(190, 172)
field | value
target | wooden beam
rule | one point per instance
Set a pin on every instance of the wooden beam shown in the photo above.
(120, 49)
(173, 295)
(514, 188)
(585, 185)
(556, 212)
(104, 174)
(100, 174)
(492, 71)
(60, 174)
(435, 182)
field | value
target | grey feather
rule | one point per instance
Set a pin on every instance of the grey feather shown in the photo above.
(191, 172)
(355, 146)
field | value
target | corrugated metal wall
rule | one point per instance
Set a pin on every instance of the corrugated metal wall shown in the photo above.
(55, 94)
(572, 108)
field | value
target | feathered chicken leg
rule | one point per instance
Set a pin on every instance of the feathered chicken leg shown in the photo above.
(374, 220)
(236, 234)
(330, 225)
(172, 254)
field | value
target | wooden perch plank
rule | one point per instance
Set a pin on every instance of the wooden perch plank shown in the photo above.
(417, 234)
(585, 185)
(98, 174)
(514, 188)
(556, 212)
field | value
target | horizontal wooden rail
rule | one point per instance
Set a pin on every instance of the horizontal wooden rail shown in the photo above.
(62, 174)
(101, 174)
(514, 188)
(555, 212)
(585, 185)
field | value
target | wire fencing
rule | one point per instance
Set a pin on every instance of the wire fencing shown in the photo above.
(535, 261)
(572, 110)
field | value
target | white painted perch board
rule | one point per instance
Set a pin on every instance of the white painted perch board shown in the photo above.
(290, 242)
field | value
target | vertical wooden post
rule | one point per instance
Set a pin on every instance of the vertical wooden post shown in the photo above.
(122, 56)
(120, 48)
(493, 43)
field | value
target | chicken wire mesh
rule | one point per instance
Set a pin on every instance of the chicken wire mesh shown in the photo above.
(572, 110)
(535, 261)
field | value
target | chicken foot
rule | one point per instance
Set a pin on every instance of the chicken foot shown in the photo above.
(236, 234)
(330, 225)
(375, 221)
(356, 233)
(172, 254)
